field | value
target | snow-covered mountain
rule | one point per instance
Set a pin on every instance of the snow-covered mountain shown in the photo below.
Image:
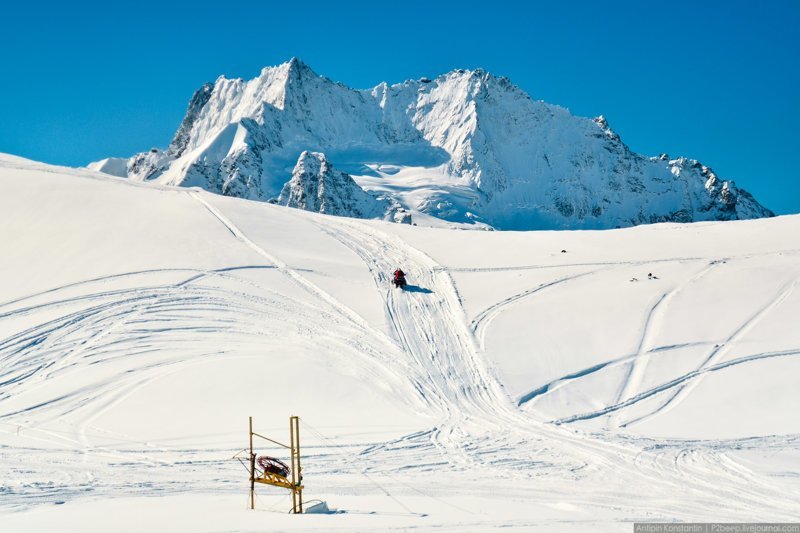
(317, 186)
(466, 147)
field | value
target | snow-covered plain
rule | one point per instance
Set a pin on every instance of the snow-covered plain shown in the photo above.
(513, 384)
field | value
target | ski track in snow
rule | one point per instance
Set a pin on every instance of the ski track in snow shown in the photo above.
(433, 350)
(304, 282)
(717, 353)
(680, 382)
(568, 265)
(635, 363)
(635, 370)
(481, 430)
(686, 382)
(483, 319)
(106, 327)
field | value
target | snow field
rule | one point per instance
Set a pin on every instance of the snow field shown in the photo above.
(511, 385)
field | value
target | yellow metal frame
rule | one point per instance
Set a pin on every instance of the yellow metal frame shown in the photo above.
(276, 480)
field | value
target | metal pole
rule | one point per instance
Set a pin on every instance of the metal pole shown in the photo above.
(299, 468)
(294, 469)
(252, 468)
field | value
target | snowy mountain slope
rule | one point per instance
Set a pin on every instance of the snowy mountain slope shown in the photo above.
(134, 349)
(593, 323)
(114, 166)
(499, 157)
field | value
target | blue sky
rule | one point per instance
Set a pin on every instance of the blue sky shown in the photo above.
(717, 82)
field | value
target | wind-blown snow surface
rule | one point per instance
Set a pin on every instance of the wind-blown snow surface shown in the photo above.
(466, 148)
(513, 384)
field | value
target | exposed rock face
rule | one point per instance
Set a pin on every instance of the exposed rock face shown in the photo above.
(317, 186)
(484, 149)
(196, 105)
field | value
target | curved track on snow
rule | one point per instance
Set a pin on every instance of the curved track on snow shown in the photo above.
(432, 349)
(481, 429)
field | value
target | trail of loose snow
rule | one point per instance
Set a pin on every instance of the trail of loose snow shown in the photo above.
(478, 419)
(128, 368)
(636, 369)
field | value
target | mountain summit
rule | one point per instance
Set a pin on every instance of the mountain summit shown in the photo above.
(466, 147)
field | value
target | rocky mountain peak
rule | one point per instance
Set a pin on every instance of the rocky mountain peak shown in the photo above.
(317, 186)
(464, 147)
(199, 99)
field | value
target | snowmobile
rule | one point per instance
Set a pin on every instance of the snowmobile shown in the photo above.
(399, 279)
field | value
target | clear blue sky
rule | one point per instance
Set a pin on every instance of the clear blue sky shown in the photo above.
(719, 82)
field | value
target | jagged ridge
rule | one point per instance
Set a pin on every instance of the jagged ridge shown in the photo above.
(317, 186)
(483, 149)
